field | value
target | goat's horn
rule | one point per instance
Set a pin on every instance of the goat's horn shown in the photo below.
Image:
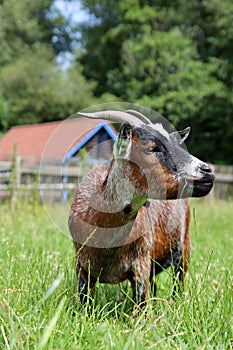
(115, 116)
(139, 115)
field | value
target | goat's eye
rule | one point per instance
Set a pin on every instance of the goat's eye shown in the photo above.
(151, 150)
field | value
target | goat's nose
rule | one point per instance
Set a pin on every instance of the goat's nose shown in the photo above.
(207, 172)
(205, 168)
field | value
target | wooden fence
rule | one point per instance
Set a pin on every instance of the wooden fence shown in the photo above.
(223, 186)
(18, 179)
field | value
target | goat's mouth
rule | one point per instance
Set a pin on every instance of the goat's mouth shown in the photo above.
(201, 187)
(196, 186)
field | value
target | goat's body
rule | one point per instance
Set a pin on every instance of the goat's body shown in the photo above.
(121, 227)
(156, 239)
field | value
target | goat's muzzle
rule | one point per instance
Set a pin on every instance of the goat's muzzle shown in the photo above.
(203, 184)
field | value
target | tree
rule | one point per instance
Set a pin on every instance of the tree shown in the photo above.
(37, 91)
(24, 23)
(167, 55)
(99, 53)
(33, 87)
(209, 25)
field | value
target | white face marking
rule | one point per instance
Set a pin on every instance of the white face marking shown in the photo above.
(158, 127)
(192, 167)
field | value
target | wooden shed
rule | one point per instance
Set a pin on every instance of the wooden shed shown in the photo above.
(60, 141)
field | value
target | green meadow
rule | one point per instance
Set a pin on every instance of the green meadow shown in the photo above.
(39, 306)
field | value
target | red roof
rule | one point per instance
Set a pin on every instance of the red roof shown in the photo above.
(48, 140)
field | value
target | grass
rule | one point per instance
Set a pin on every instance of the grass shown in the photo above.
(39, 301)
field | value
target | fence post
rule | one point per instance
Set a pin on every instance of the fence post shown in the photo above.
(16, 181)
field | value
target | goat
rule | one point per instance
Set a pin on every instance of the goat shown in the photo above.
(129, 220)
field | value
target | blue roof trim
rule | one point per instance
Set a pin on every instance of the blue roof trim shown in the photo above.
(87, 138)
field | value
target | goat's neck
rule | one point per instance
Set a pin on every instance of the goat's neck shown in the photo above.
(108, 201)
(125, 186)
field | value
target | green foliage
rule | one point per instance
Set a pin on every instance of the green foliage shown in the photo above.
(37, 91)
(19, 29)
(24, 23)
(162, 69)
(39, 301)
(173, 56)
(33, 87)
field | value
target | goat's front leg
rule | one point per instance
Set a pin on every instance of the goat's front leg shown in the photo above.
(86, 284)
(139, 287)
(139, 282)
(179, 274)
(181, 265)
(152, 281)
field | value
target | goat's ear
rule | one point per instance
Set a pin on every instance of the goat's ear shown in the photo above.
(123, 142)
(182, 135)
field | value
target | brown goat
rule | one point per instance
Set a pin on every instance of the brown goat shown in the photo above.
(126, 221)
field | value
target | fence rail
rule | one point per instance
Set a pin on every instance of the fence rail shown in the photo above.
(225, 178)
(17, 178)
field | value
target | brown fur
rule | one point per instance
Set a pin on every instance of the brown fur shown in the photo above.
(118, 234)
(147, 244)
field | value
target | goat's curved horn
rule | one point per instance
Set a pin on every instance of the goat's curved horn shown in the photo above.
(115, 116)
(139, 115)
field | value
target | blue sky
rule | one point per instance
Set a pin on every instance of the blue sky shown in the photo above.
(72, 9)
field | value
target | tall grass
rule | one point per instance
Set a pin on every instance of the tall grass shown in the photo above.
(39, 303)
